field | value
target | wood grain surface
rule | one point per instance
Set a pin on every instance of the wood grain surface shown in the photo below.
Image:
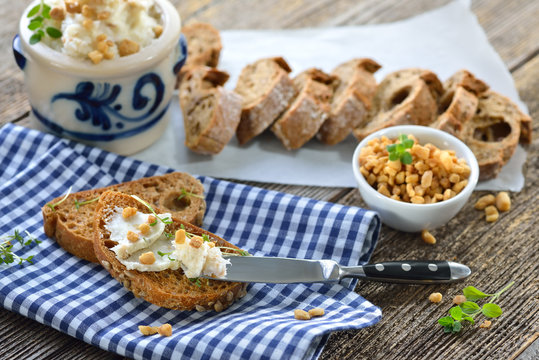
(497, 253)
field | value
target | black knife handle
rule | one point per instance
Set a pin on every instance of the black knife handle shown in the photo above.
(413, 271)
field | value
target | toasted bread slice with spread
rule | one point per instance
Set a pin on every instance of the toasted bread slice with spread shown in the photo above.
(167, 288)
(70, 222)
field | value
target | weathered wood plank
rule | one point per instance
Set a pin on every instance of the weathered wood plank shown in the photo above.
(408, 330)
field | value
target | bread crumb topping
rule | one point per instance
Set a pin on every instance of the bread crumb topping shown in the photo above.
(144, 245)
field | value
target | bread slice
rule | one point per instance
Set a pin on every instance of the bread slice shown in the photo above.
(459, 101)
(203, 44)
(168, 288)
(405, 97)
(267, 91)
(351, 101)
(71, 225)
(494, 132)
(211, 113)
(302, 120)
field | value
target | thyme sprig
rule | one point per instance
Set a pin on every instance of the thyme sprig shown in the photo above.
(165, 220)
(38, 14)
(53, 206)
(7, 256)
(188, 194)
(78, 203)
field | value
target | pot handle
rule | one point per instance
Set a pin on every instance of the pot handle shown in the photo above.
(20, 59)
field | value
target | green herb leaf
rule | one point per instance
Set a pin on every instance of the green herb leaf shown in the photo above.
(469, 319)
(456, 313)
(54, 33)
(457, 326)
(491, 310)
(46, 11)
(35, 24)
(408, 143)
(165, 220)
(406, 158)
(34, 39)
(33, 11)
(469, 307)
(391, 148)
(394, 156)
(196, 281)
(446, 320)
(473, 294)
(206, 238)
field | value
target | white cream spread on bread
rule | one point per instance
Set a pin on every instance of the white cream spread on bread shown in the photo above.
(195, 256)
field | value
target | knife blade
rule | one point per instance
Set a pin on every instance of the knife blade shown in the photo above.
(278, 270)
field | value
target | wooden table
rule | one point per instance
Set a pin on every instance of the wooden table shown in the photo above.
(498, 253)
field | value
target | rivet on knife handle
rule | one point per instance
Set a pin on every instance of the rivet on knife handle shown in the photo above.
(412, 271)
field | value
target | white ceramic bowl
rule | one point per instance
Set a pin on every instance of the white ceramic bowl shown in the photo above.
(416, 217)
(120, 105)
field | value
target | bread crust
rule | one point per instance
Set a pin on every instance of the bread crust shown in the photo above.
(302, 120)
(351, 101)
(210, 113)
(462, 107)
(72, 228)
(203, 44)
(493, 133)
(405, 97)
(170, 288)
(259, 112)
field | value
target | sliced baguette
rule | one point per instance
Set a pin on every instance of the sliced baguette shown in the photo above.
(405, 97)
(351, 101)
(203, 44)
(302, 120)
(169, 288)
(72, 226)
(267, 91)
(459, 101)
(210, 112)
(494, 132)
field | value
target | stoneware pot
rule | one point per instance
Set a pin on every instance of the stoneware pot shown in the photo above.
(410, 217)
(120, 105)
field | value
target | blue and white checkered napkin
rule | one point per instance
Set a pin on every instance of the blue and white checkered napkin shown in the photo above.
(82, 300)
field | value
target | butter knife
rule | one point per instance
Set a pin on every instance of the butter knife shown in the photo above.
(280, 270)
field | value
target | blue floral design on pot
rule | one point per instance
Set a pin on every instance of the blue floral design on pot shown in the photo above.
(96, 102)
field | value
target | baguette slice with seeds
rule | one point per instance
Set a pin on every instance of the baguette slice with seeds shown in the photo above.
(267, 91)
(169, 288)
(72, 226)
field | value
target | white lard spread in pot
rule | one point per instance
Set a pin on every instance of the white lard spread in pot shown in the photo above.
(143, 245)
(103, 29)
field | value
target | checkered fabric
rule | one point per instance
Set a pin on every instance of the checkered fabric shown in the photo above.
(81, 299)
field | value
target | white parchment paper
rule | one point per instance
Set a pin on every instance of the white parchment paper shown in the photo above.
(443, 40)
